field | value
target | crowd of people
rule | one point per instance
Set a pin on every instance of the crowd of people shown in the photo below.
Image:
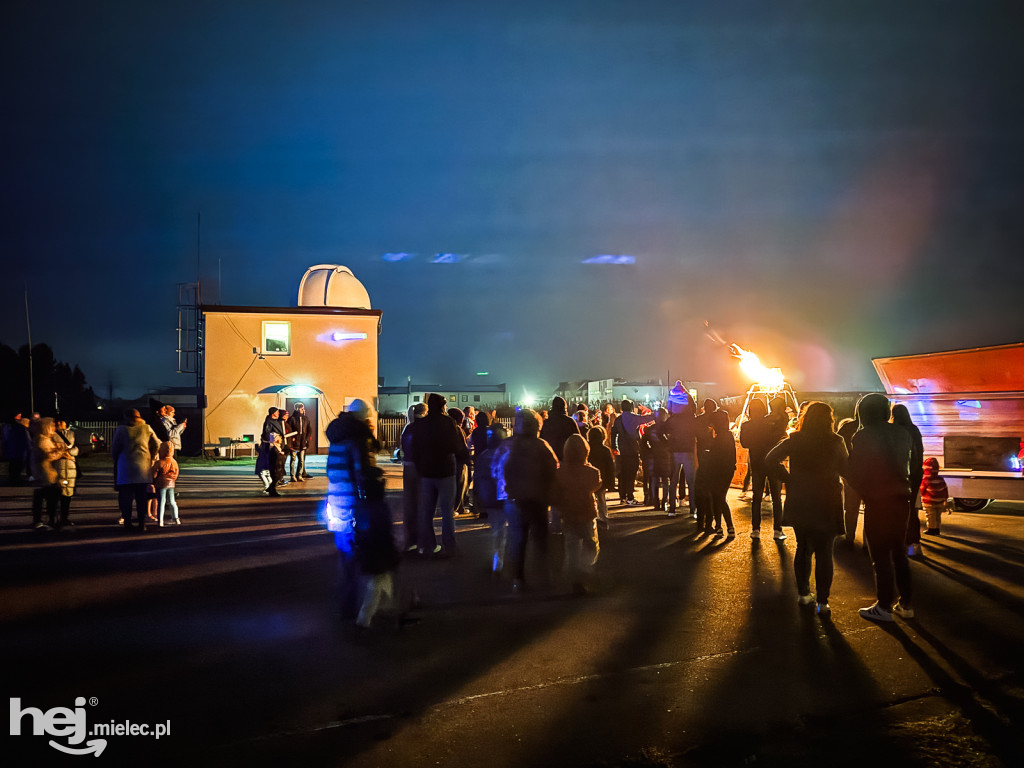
(553, 474)
(285, 439)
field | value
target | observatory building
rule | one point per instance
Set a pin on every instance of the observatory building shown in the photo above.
(322, 353)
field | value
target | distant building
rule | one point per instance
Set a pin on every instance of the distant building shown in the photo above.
(322, 353)
(398, 399)
(647, 393)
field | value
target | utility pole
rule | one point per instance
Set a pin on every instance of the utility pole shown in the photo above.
(31, 378)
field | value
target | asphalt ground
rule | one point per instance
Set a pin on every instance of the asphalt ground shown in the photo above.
(688, 651)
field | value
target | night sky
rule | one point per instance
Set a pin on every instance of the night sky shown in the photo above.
(823, 182)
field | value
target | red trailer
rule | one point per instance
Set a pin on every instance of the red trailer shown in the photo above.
(969, 406)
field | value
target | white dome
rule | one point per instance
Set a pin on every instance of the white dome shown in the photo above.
(332, 285)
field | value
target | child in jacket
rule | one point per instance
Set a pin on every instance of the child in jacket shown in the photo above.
(165, 472)
(934, 495)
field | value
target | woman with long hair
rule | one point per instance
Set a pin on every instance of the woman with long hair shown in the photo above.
(814, 497)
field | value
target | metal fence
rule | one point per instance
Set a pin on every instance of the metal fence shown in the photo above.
(389, 430)
(85, 429)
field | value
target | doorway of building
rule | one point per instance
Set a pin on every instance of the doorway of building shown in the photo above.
(312, 412)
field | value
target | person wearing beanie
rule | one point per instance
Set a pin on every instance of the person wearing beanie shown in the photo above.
(879, 470)
(438, 446)
(271, 424)
(681, 432)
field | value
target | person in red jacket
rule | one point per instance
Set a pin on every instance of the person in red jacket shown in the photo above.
(934, 495)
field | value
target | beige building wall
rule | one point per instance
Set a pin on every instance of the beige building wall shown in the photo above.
(322, 363)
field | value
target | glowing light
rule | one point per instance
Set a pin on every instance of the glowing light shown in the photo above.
(447, 258)
(608, 258)
(529, 400)
(483, 373)
(398, 256)
(769, 379)
(301, 390)
(339, 336)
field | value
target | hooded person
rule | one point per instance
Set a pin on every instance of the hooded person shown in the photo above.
(558, 426)
(556, 429)
(438, 446)
(934, 494)
(576, 483)
(901, 417)
(358, 515)
(879, 469)
(529, 475)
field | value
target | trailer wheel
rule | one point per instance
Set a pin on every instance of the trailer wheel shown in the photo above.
(970, 505)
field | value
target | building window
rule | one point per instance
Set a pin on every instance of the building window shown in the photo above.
(451, 398)
(476, 398)
(465, 398)
(277, 337)
(415, 398)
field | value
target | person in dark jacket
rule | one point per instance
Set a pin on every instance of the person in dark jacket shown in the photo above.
(601, 457)
(901, 417)
(438, 445)
(851, 499)
(654, 448)
(880, 471)
(555, 430)
(704, 434)
(477, 445)
(358, 515)
(299, 443)
(814, 498)
(411, 481)
(681, 432)
(558, 426)
(720, 465)
(463, 468)
(759, 434)
(270, 464)
(271, 424)
(626, 442)
(529, 483)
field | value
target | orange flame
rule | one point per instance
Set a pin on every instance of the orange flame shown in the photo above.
(769, 379)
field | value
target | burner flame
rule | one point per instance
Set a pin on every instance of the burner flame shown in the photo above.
(768, 379)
